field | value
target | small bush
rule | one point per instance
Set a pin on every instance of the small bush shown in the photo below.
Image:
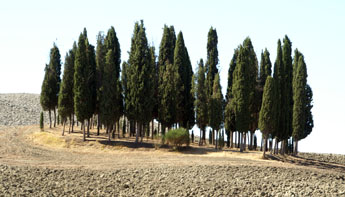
(41, 122)
(178, 137)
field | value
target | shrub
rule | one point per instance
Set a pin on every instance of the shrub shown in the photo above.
(177, 137)
(41, 121)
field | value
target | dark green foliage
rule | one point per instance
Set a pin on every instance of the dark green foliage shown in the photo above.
(100, 63)
(309, 122)
(139, 85)
(279, 77)
(109, 108)
(200, 97)
(287, 61)
(55, 68)
(51, 83)
(47, 90)
(66, 104)
(92, 77)
(177, 137)
(154, 82)
(211, 64)
(169, 96)
(82, 93)
(184, 99)
(265, 67)
(244, 86)
(267, 118)
(41, 121)
(231, 70)
(216, 110)
(165, 57)
(299, 99)
(124, 82)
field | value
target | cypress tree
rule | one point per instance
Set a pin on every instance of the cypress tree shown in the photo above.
(184, 85)
(55, 66)
(278, 76)
(139, 82)
(82, 93)
(165, 57)
(211, 64)
(216, 111)
(242, 91)
(154, 82)
(299, 102)
(65, 103)
(109, 108)
(201, 101)
(254, 95)
(111, 43)
(47, 92)
(100, 63)
(287, 62)
(229, 114)
(268, 110)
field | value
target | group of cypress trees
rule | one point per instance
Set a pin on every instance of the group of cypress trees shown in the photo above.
(168, 91)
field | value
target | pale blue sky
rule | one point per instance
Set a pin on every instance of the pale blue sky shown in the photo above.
(316, 28)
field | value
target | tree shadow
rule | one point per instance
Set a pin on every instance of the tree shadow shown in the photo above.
(296, 160)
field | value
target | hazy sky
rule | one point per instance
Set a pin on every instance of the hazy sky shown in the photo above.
(316, 28)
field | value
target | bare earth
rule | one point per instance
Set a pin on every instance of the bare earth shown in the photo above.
(38, 163)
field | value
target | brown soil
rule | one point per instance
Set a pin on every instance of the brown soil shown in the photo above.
(45, 163)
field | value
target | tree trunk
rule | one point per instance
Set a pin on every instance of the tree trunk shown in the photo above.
(245, 140)
(124, 127)
(275, 151)
(54, 117)
(295, 151)
(50, 119)
(228, 139)
(235, 142)
(153, 128)
(113, 130)
(203, 136)
(98, 124)
(231, 139)
(72, 122)
(213, 137)
(109, 132)
(264, 154)
(262, 139)
(137, 133)
(88, 127)
(83, 128)
(252, 140)
(63, 130)
(200, 138)
(241, 141)
(118, 128)
(216, 141)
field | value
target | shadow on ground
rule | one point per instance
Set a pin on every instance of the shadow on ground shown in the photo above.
(307, 162)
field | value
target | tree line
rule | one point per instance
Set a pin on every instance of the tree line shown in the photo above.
(95, 86)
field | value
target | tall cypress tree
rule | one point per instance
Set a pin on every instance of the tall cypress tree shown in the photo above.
(287, 62)
(55, 68)
(184, 85)
(109, 100)
(165, 57)
(201, 102)
(229, 114)
(47, 92)
(82, 92)
(268, 110)
(65, 103)
(278, 76)
(216, 111)
(211, 64)
(154, 82)
(242, 91)
(100, 63)
(299, 102)
(139, 83)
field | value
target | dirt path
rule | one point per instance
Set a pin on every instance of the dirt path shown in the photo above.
(68, 166)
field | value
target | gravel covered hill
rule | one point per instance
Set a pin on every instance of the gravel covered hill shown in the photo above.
(20, 109)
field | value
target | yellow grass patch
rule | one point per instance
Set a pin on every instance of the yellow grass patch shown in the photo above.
(48, 139)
